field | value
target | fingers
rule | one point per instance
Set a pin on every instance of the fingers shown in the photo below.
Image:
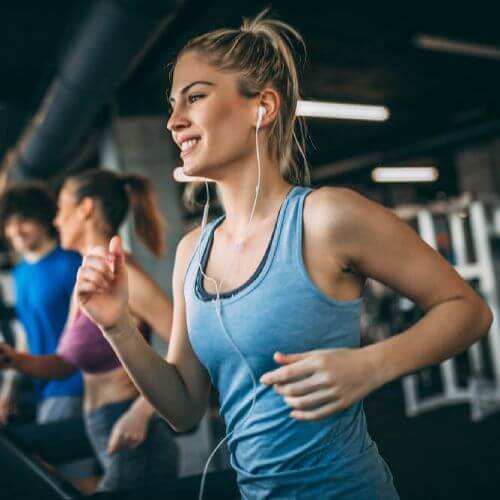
(98, 264)
(116, 250)
(312, 400)
(304, 386)
(289, 373)
(98, 278)
(94, 275)
(121, 441)
(114, 441)
(279, 357)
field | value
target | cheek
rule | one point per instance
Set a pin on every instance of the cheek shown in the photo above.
(229, 131)
(64, 224)
(29, 231)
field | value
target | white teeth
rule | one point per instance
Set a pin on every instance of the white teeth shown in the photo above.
(188, 144)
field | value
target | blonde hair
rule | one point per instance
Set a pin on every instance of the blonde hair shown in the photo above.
(262, 52)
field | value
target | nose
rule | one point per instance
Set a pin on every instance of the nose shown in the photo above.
(177, 121)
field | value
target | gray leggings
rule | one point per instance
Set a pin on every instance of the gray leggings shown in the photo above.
(154, 460)
(58, 408)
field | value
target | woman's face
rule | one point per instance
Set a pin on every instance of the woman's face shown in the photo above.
(69, 220)
(211, 122)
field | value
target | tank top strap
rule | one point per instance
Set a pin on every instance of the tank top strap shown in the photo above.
(199, 250)
(290, 241)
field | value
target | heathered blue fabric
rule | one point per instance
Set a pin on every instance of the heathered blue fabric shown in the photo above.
(281, 309)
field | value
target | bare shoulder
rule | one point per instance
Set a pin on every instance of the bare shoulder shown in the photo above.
(337, 200)
(334, 209)
(185, 249)
(188, 243)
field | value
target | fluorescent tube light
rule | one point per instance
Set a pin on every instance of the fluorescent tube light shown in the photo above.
(405, 174)
(343, 111)
(443, 44)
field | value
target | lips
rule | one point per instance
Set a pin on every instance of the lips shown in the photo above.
(188, 146)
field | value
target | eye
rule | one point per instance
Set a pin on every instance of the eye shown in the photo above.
(195, 97)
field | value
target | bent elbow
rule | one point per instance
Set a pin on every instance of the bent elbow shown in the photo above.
(184, 429)
(482, 318)
(187, 423)
(488, 320)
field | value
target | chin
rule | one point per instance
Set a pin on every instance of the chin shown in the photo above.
(64, 244)
(193, 169)
(20, 249)
(198, 170)
(27, 246)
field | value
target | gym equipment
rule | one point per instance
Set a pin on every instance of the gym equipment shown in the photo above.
(471, 227)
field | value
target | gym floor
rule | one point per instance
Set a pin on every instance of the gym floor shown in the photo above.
(440, 455)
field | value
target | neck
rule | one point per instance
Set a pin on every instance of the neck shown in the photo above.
(45, 247)
(91, 239)
(238, 195)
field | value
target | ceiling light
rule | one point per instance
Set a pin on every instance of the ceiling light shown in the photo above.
(342, 111)
(443, 44)
(405, 174)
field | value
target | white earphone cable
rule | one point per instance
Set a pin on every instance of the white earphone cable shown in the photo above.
(218, 287)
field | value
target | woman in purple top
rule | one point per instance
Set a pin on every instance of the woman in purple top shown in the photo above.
(133, 445)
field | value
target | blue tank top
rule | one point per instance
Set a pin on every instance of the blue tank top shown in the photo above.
(280, 309)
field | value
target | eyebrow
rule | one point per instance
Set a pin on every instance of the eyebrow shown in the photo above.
(187, 87)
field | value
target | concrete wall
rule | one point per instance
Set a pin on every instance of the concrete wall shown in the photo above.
(478, 167)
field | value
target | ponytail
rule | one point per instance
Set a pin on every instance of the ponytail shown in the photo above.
(148, 221)
(115, 194)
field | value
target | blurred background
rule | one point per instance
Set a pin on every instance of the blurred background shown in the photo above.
(409, 116)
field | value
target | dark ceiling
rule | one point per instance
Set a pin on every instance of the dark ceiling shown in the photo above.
(355, 55)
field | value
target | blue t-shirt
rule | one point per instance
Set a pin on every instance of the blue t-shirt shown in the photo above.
(43, 293)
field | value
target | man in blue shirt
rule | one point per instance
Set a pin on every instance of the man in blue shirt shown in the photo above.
(43, 282)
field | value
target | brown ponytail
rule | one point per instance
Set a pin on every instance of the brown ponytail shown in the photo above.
(148, 221)
(115, 194)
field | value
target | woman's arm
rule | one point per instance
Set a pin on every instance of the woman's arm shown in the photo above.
(374, 242)
(148, 302)
(50, 366)
(380, 246)
(177, 387)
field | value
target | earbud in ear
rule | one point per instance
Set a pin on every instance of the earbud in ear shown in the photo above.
(261, 111)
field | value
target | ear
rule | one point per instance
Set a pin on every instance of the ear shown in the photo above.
(271, 100)
(86, 208)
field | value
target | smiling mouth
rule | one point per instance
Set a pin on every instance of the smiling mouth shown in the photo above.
(188, 146)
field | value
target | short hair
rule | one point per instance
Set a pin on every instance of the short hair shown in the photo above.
(30, 200)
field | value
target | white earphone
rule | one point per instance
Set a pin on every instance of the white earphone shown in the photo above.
(261, 112)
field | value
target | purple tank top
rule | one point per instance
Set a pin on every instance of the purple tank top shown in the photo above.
(83, 345)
